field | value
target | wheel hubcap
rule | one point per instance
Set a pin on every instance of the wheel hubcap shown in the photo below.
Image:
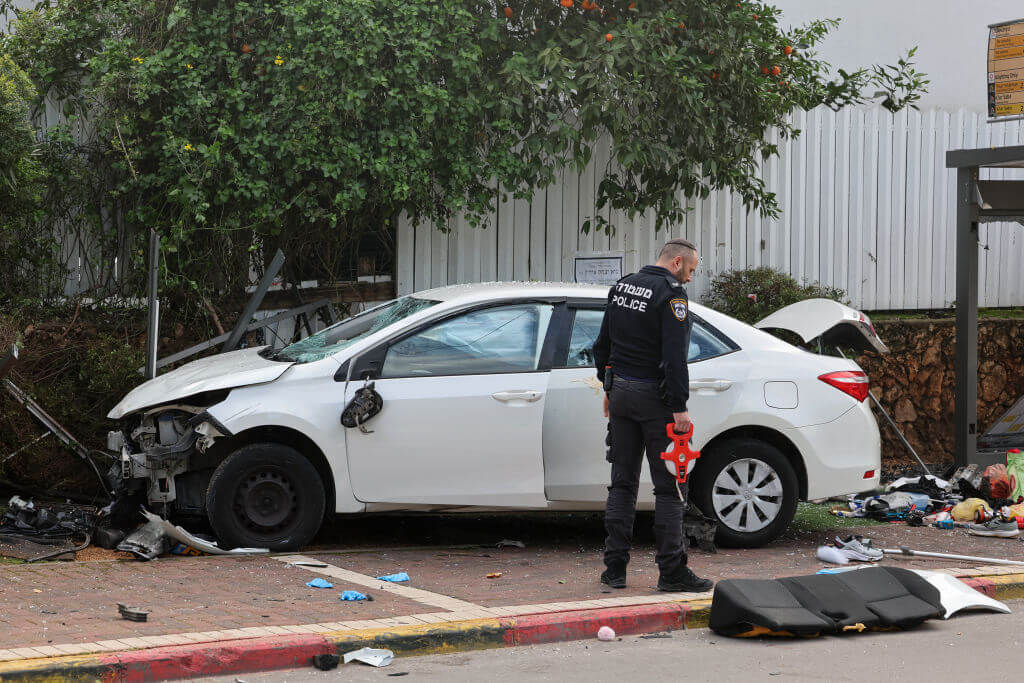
(747, 495)
(266, 501)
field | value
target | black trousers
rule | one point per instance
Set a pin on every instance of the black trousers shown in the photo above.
(637, 419)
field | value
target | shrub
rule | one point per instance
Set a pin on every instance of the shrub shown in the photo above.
(23, 245)
(754, 293)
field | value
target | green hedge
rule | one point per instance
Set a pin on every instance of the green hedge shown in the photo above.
(752, 294)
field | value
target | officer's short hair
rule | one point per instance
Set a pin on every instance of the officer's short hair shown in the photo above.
(677, 247)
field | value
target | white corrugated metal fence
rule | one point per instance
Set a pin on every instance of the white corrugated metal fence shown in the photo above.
(867, 205)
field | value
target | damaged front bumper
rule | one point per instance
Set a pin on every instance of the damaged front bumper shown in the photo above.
(158, 447)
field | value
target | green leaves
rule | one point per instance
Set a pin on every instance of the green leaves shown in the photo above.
(305, 124)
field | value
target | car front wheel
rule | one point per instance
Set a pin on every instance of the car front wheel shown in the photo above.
(265, 495)
(751, 490)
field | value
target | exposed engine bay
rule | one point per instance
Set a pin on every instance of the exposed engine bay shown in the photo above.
(166, 455)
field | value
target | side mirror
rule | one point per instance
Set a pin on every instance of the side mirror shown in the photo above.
(371, 371)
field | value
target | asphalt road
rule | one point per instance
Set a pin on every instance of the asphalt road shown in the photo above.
(971, 647)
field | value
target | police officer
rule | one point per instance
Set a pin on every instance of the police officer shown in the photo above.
(640, 355)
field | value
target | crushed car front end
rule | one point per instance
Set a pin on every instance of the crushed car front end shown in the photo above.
(163, 449)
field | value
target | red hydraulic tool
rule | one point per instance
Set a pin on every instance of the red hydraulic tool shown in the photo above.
(681, 454)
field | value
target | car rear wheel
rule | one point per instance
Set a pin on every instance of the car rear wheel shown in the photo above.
(751, 490)
(265, 495)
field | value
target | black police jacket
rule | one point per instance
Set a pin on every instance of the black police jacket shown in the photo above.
(645, 333)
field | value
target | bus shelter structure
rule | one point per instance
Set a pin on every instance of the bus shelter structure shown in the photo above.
(977, 201)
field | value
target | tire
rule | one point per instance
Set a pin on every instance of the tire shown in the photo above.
(265, 495)
(754, 515)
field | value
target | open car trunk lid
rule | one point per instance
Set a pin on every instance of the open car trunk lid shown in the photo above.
(836, 324)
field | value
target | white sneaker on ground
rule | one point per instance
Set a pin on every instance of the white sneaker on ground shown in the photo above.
(858, 548)
(995, 527)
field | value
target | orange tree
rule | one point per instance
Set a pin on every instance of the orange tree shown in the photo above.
(236, 124)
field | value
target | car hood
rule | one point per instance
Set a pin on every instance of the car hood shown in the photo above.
(836, 324)
(223, 371)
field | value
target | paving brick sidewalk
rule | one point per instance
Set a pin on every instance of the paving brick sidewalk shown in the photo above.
(67, 603)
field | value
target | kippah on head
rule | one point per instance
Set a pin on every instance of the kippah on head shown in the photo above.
(677, 247)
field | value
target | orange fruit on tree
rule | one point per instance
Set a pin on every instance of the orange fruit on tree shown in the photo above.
(788, 49)
(776, 71)
(508, 12)
(756, 17)
(608, 37)
(682, 26)
(764, 70)
(632, 5)
(714, 75)
(246, 49)
(566, 3)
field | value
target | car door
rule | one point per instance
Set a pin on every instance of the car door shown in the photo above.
(575, 428)
(463, 407)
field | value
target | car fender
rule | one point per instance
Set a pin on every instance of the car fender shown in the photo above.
(260, 407)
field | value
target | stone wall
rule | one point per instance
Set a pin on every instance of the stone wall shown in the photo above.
(915, 381)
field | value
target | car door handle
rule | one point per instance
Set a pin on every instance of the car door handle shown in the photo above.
(528, 396)
(712, 384)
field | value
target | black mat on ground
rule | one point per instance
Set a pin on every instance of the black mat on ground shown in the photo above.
(871, 598)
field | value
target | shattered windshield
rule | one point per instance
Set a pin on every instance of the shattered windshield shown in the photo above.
(347, 332)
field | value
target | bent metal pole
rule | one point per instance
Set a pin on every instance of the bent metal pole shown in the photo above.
(907, 552)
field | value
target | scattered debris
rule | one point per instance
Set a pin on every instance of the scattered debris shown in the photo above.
(957, 595)
(352, 596)
(606, 633)
(400, 577)
(132, 613)
(507, 543)
(107, 537)
(832, 555)
(819, 604)
(648, 636)
(147, 542)
(208, 547)
(494, 575)
(17, 503)
(398, 673)
(371, 656)
(966, 511)
(904, 550)
(319, 583)
(700, 529)
(86, 540)
(53, 427)
(47, 525)
(326, 662)
(303, 563)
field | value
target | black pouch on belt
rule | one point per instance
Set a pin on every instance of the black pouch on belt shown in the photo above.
(608, 378)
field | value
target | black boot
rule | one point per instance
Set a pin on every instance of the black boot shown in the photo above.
(614, 576)
(683, 580)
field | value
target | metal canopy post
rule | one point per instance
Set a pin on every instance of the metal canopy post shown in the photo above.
(153, 327)
(965, 394)
(254, 302)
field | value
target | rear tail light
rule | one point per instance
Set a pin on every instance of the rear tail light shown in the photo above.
(869, 474)
(852, 382)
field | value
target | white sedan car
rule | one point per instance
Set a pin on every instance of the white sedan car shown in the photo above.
(485, 397)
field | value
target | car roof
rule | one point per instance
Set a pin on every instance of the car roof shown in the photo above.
(508, 290)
